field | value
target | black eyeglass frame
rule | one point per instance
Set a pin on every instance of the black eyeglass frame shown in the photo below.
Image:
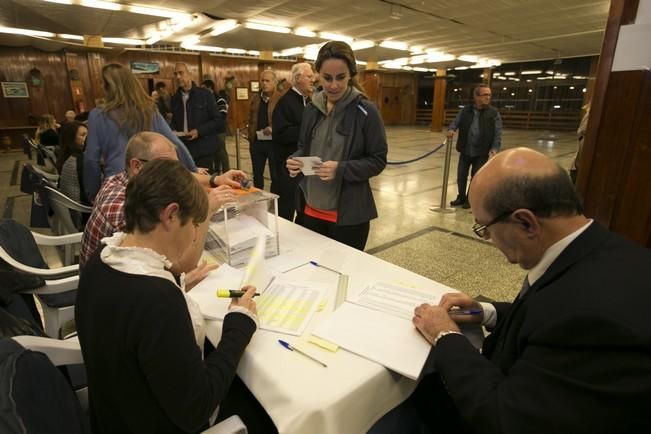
(480, 230)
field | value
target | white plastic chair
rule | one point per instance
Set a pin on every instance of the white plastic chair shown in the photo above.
(68, 352)
(62, 205)
(56, 310)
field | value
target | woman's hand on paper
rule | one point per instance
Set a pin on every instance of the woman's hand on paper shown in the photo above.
(294, 167)
(193, 277)
(246, 301)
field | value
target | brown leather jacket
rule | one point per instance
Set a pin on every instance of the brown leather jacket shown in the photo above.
(253, 112)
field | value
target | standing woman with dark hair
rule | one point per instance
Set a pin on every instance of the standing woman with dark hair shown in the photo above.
(127, 110)
(346, 131)
(70, 161)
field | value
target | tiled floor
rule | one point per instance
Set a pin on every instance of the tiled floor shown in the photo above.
(439, 246)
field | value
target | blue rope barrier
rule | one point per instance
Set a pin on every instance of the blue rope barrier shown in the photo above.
(418, 158)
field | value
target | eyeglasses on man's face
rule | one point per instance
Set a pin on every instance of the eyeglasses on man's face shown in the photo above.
(482, 230)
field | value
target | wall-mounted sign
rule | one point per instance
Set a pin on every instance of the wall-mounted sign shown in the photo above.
(242, 93)
(15, 89)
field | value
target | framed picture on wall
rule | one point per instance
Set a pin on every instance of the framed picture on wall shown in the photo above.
(145, 67)
(15, 89)
(241, 93)
(255, 86)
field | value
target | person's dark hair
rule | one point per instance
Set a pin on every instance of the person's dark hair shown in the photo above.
(160, 85)
(160, 183)
(546, 196)
(67, 145)
(82, 117)
(209, 84)
(340, 50)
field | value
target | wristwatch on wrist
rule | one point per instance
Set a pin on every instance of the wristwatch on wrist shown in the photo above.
(444, 333)
(211, 181)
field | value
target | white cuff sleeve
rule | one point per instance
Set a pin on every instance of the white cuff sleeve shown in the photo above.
(246, 312)
(490, 315)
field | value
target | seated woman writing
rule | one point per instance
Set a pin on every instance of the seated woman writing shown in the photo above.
(140, 335)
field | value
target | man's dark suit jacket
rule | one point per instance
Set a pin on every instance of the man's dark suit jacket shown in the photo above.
(573, 356)
(202, 115)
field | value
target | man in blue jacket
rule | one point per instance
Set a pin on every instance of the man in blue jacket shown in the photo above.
(195, 117)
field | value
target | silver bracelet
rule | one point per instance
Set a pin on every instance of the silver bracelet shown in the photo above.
(444, 333)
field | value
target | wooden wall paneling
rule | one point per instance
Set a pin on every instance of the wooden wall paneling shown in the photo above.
(632, 209)
(95, 62)
(80, 89)
(621, 12)
(370, 82)
(52, 96)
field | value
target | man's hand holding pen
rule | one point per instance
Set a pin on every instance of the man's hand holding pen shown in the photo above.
(453, 309)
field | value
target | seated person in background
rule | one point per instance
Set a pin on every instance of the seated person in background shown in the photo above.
(69, 116)
(107, 216)
(46, 133)
(70, 164)
(140, 334)
(572, 353)
(70, 160)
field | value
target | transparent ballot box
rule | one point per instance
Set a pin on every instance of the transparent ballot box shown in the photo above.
(234, 230)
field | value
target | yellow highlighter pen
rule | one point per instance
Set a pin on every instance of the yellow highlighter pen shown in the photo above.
(230, 293)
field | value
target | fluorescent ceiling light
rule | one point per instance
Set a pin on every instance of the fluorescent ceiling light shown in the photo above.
(360, 62)
(468, 58)
(549, 72)
(26, 32)
(557, 106)
(303, 31)
(100, 4)
(460, 68)
(204, 48)
(335, 37)
(361, 45)
(419, 69)
(157, 12)
(253, 52)
(396, 45)
(509, 73)
(224, 26)
(235, 51)
(291, 51)
(531, 72)
(190, 41)
(73, 37)
(123, 41)
(417, 49)
(61, 2)
(266, 27)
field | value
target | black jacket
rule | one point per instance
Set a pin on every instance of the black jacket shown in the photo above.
(487, 119)
(286, 121)
(573, 356)
(365, 156)
(202, 115)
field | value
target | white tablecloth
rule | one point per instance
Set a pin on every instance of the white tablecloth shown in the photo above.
(301, 396)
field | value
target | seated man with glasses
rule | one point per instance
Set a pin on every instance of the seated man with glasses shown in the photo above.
(107, 216)
(572, 353)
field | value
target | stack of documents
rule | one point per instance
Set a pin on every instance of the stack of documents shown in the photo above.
(238, 235)
(376, 324)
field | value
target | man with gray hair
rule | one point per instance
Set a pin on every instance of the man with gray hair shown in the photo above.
(262, 107)
(286, 123)
(107, 216)
(480, 137)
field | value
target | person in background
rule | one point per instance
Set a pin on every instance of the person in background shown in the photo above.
(70, 165)
(580, 134)
(287, 117)
(195, 117)
(346, 131)
(260, 130)
(127, 110)
(221, 162)
(163, 101)
(46, 133)
(568, 355)
(69, 116)
(480, 137)
(146, 372)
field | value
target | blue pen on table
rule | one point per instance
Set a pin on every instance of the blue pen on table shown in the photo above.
(465, 312)
(316, 264)
(291, 348)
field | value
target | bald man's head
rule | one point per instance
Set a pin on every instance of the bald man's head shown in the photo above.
(146, 146)
(524, 178)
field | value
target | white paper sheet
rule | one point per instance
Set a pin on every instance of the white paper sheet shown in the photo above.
(386, 339)
(308, 164)
(393, 299)
(260, 135)
(205, 293)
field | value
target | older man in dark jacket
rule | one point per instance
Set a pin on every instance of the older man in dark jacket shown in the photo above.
(195, 118)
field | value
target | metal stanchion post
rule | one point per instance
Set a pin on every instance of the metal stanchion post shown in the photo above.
(237, 148)
(444, 188)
